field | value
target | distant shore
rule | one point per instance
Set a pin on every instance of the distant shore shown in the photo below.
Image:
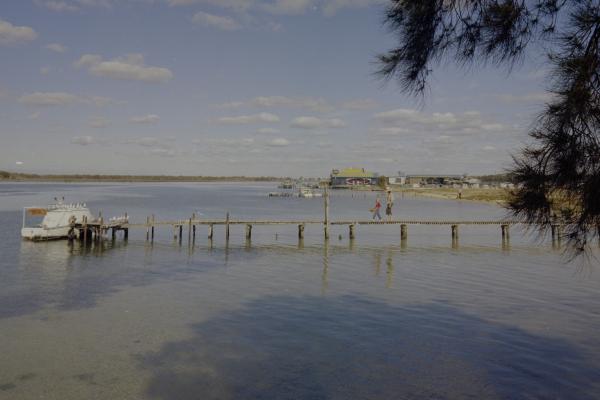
(497, 196)
(89, 178)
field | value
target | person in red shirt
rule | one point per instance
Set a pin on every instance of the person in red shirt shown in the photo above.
(376, 209)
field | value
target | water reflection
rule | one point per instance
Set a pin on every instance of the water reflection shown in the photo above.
(390, 270)
(286, 347)
(325, 274)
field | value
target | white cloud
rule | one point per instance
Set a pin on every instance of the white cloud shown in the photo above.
(48, 99)
(45, 70)
(99, 122)
(63, 99)
(72, 5)
(288, 7)
(330, 7)
(249, 119)
(401, 121)
(308, 103)
(56, 47)
(281, 7)
(100, 101)
(278, 142)
(153, 142)
(129, 67)
(267, 131)
(84, 140)
(360, 104)
(311, 123)
(145, 119)
(216, 21)
(11, 34)
(19, 162)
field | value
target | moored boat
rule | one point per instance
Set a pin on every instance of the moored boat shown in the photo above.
(57, 223)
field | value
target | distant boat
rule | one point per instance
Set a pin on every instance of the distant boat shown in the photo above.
(307, 193)
(286, 185)
(57, 222)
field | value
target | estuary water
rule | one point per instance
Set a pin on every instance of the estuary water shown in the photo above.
(275, 318)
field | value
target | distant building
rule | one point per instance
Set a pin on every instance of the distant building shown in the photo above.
(438, 180)
(349, 177)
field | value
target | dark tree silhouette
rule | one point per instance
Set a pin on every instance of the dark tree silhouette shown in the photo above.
(558, 174)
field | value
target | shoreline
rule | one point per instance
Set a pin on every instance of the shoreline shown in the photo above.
(496, 196)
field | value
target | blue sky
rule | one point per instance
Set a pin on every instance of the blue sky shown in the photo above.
(239, 87)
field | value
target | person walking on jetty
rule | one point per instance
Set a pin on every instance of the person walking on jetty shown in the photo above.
(376, 208)
(389, 203)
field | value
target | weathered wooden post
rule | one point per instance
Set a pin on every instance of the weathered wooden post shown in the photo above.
(147, 228)
(210, 231)
(403, 232)
(248, 231)
(190, 231)
(180, 232)
(326, 216)
(454, 235)
(194, 227)
(85, 230)
(351, 231)
(301, 231)
(505, 233)
(555, 236)
(227, 226)
(126, 234)
(113, 234)
(152, 229)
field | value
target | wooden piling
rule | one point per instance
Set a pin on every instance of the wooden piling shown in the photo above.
(351, 231)
(326, 216)
(210, 231)
(152, 229)
(227, 226)
(403, 232)
(248, 231)
(505, 232)
(301, 231)
(147, 228)
(194, 228)
(454, 232)
(180, 232)
(85, 230)
(113, 234)
(190, 230)
(126, 234)
(555, 233)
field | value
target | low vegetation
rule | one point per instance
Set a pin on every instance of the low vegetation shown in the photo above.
(13, 176)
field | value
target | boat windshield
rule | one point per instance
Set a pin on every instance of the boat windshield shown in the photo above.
(33, 216)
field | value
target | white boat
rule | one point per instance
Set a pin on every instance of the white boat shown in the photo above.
(308, 193)
(57, 222)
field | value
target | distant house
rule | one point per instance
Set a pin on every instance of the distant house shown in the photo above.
(349, 177)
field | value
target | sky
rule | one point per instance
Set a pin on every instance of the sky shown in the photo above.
(241, 87)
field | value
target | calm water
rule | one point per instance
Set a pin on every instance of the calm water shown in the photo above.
(279, 319)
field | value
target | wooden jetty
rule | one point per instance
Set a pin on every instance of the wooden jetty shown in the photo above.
(98, 229)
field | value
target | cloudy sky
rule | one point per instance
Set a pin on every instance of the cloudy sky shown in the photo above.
(239, 87)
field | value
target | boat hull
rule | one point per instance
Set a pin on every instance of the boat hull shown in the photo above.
(41, 234)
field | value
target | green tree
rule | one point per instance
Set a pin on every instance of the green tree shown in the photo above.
(560, 170)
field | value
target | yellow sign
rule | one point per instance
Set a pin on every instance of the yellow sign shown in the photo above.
(37, 211)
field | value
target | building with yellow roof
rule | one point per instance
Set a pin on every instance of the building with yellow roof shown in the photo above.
(349, 177)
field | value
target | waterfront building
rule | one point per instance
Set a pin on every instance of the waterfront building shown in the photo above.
(352, 177)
